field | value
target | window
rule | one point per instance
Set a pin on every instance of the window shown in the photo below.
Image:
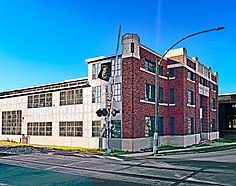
(201, 97)
(172, 96)
(116, 129)
(117, 92)
(213, 86)
(40, 100)
(213, 103)
(160, 70)
(39, 128)
(150, 66)
(96, 127)
(172, 72)
(96, 94)
(190, 97)
(203, 81)
(71, 128)
(161, 100)
(160, 126)
(190, 125)
(149, 92)
(71, 97)
(213, 126)
(172, 126)
(95, 70)
(149, 126)
(11, 122)
(190, 75)
(118, 67)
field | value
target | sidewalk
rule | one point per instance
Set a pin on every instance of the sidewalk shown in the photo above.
(213, 146)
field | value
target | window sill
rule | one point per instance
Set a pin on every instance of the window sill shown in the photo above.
(191, 80)
(214, 110)
(191, 105)
(163, 104)
(163, 77)
(149, 102)
(170, 78)
(172, 104)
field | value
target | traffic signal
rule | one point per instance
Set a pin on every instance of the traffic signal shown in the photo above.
(102, 112)
(114, 112)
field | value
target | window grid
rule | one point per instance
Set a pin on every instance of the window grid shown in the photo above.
(118, 67)
(39, 128)
(150, 66)
(161, 100)
(95, 70)
(190, 123)
(71, 97)
(96, 127)
(71, 128)
(40, 100)
(190, 97)
(96, 94)
(117, 92)
(149, 126)
(11, 122)
(149, 92)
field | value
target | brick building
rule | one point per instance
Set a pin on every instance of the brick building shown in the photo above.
(65, 113)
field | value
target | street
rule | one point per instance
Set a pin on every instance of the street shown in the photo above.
(213, 168)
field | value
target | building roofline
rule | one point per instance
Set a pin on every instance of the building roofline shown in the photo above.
(226, 94)
(44, 87)
(94, 59)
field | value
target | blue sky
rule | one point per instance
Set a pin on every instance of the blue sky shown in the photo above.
(44, 41)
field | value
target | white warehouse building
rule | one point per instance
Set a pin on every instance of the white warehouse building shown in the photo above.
(61, 113)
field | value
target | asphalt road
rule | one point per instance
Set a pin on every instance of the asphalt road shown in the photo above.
(214, 168)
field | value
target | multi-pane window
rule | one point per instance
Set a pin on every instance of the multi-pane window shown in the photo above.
(190, 122)
(149, 92)
(213, 125)
(39, 128)
(172, 96)
(160, 126)
(118, 67)
(172, 126)
(190, 97)
(11, 122)
(150, 66)
(160, 70)
(172, 72)
(40, 100)
(116, 129)
(96, 127)
(213, 103)
(95, 70)
(203, 81)
(213, 86)
(71, 128)
(161, 100)
(71, 97)
(96, 94)
(149, 125)
(190, 75)
(117, 92)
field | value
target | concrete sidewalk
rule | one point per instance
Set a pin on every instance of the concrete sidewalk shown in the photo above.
(183, 150)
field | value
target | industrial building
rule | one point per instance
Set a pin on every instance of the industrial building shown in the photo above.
(64, 113)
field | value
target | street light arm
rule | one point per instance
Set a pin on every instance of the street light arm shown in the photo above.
(191, 35)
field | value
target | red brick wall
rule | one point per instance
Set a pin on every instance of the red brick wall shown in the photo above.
(133, 90)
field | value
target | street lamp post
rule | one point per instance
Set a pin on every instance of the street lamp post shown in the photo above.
(155, 136)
